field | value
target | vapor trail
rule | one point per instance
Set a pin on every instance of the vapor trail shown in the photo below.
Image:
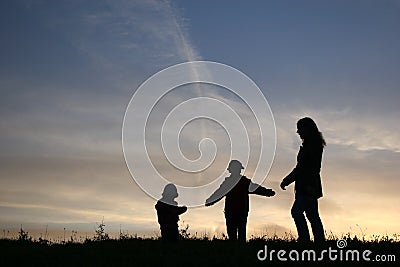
(190, 54)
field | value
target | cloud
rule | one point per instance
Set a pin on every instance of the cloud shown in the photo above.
(62, 157)
(119, 43)
(360, 128)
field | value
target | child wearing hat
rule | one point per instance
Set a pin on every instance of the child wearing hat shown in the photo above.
(235, 189)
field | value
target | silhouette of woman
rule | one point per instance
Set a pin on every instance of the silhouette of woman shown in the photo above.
(306, 175)
(168, 213)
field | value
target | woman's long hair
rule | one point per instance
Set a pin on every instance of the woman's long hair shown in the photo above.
(311, 128)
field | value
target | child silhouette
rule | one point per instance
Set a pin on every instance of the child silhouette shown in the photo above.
(237, 200)
(168, 213)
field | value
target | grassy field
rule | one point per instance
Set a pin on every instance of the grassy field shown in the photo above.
(190, 251)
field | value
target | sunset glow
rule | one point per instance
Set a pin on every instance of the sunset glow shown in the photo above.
(68, 70)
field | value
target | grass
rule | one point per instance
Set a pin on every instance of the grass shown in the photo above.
(127, 250)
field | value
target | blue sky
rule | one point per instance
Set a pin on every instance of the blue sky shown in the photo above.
(69, 68)
(313, 44)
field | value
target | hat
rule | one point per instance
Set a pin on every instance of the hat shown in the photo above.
(235, 163)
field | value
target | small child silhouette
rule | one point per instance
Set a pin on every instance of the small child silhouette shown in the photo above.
(168, 213)
(236, 190)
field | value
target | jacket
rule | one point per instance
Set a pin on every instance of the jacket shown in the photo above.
(306, 174)
(168, 215)
(237, 198)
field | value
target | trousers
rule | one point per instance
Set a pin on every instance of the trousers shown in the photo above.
(236, 226)
(309, 206)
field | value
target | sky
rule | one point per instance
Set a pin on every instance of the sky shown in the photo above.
(69, 69)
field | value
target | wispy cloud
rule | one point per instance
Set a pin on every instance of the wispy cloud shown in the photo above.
(66, 131)
(359, 128)
(63, 103)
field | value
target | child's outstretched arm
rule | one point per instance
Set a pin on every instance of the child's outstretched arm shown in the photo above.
(214, 198)
(262, 191)
(217, 195)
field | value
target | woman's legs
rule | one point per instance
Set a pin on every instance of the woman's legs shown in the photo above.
(315, 220)
(309, 205)
(297, 212)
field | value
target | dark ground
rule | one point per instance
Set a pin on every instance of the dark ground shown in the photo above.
(192, 252)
